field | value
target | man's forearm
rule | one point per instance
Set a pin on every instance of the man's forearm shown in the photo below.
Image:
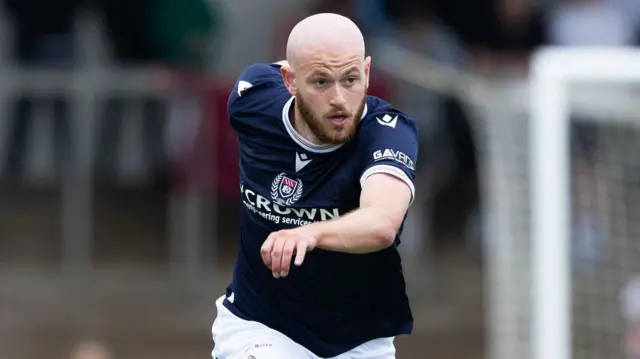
(364, 230)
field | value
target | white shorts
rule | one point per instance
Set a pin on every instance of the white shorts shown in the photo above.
(236, 338)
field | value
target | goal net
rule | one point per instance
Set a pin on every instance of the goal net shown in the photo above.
(559, 162)
(564, 200)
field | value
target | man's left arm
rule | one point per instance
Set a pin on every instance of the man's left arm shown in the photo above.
(373, 226)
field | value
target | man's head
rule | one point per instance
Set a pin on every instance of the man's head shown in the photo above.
(328, 74)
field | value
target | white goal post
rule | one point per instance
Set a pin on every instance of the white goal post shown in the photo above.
(559, 177)
(553, 71)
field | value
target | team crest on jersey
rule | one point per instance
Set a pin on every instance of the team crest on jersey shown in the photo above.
(285, 190)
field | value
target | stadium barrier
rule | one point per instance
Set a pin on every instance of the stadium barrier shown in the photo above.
(85, 86)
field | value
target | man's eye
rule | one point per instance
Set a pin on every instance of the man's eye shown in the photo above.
(320, 82)
(351, 80)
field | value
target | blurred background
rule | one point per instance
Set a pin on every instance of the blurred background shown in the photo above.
(119, 184)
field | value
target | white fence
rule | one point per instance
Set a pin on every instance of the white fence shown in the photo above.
(84, 86)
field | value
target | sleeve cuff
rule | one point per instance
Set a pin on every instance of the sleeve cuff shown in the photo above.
(390, 170)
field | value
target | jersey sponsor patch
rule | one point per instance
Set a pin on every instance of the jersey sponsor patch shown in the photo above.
(281, 214)
(397, 156)
(388, 121)
(243, 85)
(301, 161)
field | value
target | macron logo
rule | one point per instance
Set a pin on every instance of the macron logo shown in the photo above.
(243, 85)
(301, 161)
(388, 121)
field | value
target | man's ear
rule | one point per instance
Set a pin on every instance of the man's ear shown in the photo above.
(288, 76)
(367, 70)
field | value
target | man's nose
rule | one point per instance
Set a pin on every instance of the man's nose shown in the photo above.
(338, 97)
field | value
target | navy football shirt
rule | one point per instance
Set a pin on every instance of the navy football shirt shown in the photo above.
(334, 301)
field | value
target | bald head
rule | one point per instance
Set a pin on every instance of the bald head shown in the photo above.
(328, 75)
(324, 33)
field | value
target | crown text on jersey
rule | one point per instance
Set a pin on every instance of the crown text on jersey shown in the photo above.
(279, 214)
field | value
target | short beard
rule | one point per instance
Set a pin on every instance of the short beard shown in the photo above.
(323, 129)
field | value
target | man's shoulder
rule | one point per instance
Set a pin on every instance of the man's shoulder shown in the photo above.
(261, 72)
(258, 95)
(382, 114)
(257, 77)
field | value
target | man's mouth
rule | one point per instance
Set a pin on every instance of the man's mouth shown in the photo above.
(339, 119)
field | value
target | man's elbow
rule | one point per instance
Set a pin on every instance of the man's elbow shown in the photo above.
(387, 238)
(387, 229)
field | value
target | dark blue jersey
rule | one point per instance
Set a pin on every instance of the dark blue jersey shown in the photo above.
(334, 301)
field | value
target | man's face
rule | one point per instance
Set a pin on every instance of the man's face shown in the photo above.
(331, 92)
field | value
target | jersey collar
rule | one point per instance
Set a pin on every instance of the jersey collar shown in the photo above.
(300, 140)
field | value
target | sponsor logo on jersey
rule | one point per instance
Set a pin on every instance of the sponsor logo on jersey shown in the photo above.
(242, 86)
(388, 121)
(400, 157)
(286, 190)
(258, 346)
(301, 161)
(281, 214)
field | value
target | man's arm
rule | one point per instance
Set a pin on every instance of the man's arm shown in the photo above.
(372, 227)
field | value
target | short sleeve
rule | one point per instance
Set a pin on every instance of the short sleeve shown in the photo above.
(389, 144)
(254, 78)
(251, 93)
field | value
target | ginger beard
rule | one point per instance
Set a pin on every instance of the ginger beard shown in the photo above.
(321, 125)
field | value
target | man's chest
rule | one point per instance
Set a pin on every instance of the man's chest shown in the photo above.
(294, 187)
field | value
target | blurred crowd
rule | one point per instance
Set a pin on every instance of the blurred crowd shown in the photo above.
(140, 32)
(486, 35)
(188, 37)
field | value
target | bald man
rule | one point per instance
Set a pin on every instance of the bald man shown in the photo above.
(326, 179)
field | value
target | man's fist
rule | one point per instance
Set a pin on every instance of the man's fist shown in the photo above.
(279, 248)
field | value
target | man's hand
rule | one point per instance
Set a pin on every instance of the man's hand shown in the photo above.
(279, 248)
